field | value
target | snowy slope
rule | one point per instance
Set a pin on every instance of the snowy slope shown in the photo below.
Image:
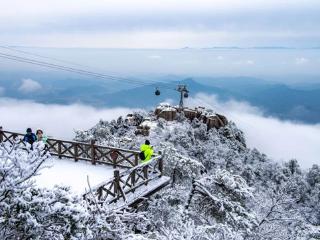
(231, 191)
(73, 174)
(220, 189)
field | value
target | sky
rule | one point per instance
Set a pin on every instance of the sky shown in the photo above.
(283, 65)
(159, 24)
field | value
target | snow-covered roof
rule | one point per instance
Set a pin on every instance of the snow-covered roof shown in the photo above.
(166, 107)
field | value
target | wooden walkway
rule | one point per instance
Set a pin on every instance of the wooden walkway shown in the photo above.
(134, 182)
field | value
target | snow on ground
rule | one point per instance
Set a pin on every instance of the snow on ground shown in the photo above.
(67, 172)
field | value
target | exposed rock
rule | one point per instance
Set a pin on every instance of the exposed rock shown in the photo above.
(213, 120)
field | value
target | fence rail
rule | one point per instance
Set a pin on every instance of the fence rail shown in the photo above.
(121, 184)
(91, 152)
(127, 182)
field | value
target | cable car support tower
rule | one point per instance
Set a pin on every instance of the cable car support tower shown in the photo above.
(184, 93)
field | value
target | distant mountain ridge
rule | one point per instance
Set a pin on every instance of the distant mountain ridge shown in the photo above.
(299, 103)
(145, 96)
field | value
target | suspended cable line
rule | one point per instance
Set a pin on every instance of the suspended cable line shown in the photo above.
(66, 68)
(41, 56)
(75, 70)
(182, 89)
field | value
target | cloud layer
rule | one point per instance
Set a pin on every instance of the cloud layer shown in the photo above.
(166, 24)
(58, 121)
(280, 140)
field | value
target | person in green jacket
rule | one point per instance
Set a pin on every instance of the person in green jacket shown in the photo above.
(147, 150)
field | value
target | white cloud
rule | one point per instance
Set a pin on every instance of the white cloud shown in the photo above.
(280, 140)
(47, 8)
(29, 86)
(56, 120)
(250, 22)
(301, 60)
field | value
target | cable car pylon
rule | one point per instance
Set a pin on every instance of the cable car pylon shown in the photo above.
(184, 93)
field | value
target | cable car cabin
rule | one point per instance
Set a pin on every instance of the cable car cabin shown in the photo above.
(157, 92)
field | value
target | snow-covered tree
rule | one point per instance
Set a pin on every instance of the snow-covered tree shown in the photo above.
(29, 212)
(240, 192)
(222, 198)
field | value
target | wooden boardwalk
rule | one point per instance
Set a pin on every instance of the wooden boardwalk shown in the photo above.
(131, 181)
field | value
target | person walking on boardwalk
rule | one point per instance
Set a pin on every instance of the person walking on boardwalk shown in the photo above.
(146, 151)
(30, 137)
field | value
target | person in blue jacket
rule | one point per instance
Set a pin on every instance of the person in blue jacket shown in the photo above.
(30, 137)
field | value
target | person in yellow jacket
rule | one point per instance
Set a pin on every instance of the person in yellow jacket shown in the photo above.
(146, 151)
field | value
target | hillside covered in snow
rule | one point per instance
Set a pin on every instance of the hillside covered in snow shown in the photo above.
(219, 189)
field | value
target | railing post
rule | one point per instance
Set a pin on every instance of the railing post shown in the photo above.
(133, 174)
(114, 157)
(116, 183)
(76, 152)
(59, 149)
(93, 152)
(136, 159)
(161, 166)
(1, 134)
(145, 174)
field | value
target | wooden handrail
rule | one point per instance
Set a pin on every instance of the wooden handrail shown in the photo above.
(74, 142)
(123, 183)
(117, 157)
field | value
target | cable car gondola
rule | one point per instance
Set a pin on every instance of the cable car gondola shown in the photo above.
(157, 92)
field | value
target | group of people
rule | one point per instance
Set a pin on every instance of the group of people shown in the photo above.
(145, 154)
(30, 137)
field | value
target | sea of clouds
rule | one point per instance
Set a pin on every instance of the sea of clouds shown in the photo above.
(280, 140)
(59, 121)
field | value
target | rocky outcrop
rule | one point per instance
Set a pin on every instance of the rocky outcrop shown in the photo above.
(213, 120)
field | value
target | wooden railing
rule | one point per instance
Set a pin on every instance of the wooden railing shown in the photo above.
(121, 184)
(91, 152)
(126, 182)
